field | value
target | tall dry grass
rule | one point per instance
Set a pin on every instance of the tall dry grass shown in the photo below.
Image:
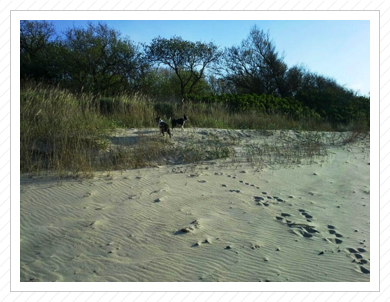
(57, 130)
(64, 132)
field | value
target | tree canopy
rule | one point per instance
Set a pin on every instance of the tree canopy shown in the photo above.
(187, 59)
(98, 59)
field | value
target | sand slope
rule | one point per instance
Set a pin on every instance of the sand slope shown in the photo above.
(214, 222)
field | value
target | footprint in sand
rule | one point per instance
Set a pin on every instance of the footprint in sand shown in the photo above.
(306, 215)
(334, 240)
(357, 256)
(299, 229)
(247, 183)
(236, 191)
(201, 181)
(304, 229)
(260, 201)
(199, 243)
(332, 230)
(258, 198)
(364, 270)
(356, 251)
(192, 227)
(304, 234)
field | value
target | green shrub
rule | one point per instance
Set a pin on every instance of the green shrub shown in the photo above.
(166, 110)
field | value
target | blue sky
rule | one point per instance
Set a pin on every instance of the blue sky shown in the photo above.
(338, 49)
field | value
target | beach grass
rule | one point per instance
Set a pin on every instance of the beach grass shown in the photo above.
(70, 133)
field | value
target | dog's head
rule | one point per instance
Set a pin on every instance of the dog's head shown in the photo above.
(185, 117)
(157, 119)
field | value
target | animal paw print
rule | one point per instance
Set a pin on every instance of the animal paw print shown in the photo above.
(306, 215)
(260, 201)
(358, 258)
(332, 231)
(304, 230)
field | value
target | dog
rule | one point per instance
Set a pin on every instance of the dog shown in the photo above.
(163, 126)
(179, 121)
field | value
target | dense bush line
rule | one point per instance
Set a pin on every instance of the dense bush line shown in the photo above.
(265, 104)
(335, 108)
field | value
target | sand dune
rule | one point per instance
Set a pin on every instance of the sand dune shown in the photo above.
(220, 221)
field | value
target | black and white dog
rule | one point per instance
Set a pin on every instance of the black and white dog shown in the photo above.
(179, 121)
(163, 126)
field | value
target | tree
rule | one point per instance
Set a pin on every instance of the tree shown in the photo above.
(34, 36)
(294, 80)
(99, 60)
(218, 85)
(187, 59)
(256, 66)
(37, 50)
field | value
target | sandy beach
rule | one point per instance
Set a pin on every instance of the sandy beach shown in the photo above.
(220, 220)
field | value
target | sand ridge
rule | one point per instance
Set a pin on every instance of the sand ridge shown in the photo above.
(211, 222)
